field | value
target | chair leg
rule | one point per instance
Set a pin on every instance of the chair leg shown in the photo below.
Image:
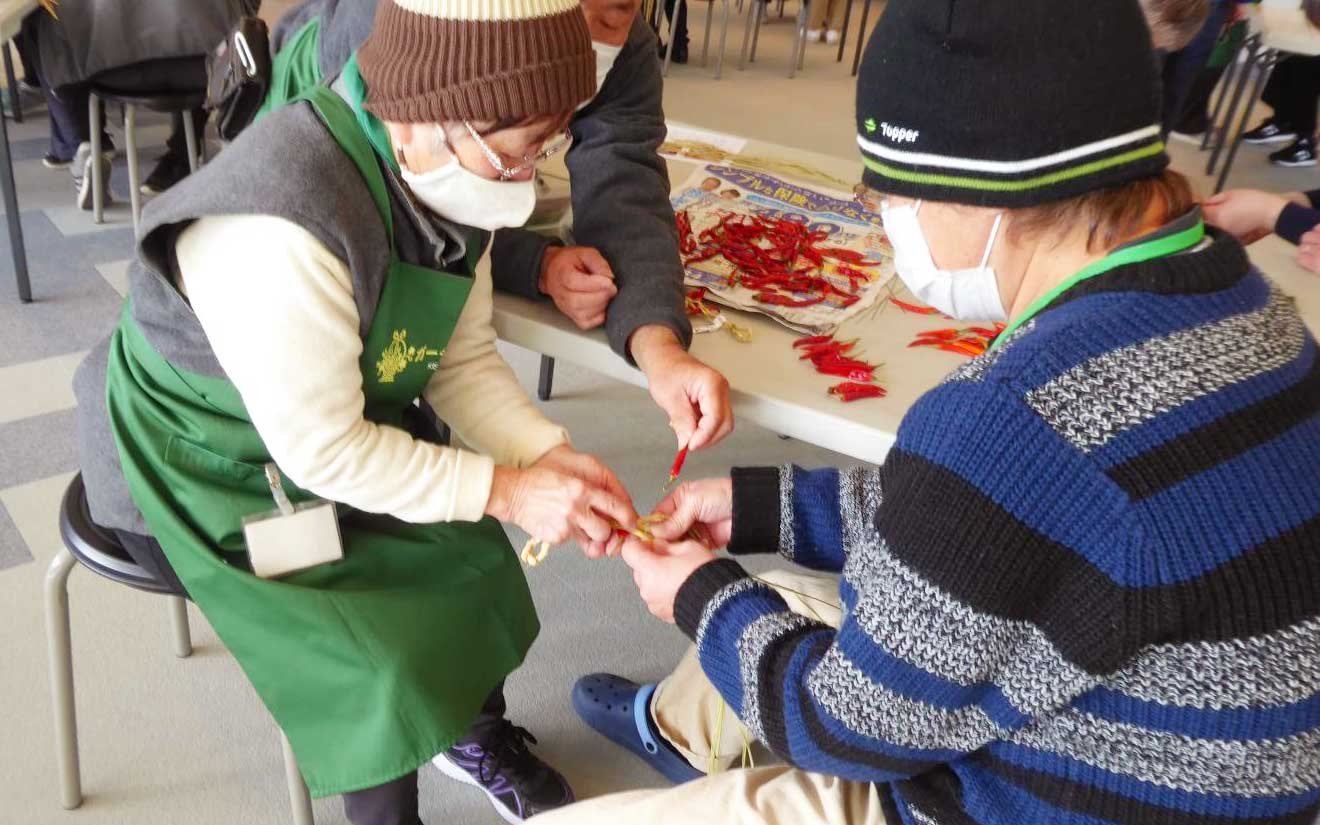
(179, 622)
(134, 172)
(705, 39)
(861, 36)
(673, 24)
(1225, 84)
(60, 652)
(190, 135)
(15, 103)
(1266, 64)
(299, 798)
(98, 185)
(748, 23)
(761, 9)
(724, 36)
(546, 384)
(1253, 50)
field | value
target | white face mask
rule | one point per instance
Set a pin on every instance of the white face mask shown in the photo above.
(965, 294)
(605, 57)
(467, 198)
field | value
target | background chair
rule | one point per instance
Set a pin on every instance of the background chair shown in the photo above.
(99, 551)
(752, 32)
(174, 85)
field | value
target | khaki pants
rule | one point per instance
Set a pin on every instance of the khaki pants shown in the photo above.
(819, 10)
(693, 718)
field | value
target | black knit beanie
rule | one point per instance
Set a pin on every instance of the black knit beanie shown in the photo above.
(988, 103)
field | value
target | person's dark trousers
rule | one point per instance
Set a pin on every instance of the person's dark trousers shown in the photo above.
(1183, 68)
(66, 106)
(1195, 117)
(177, 145)
(395, 803)
(680, 26)
(1293, 92)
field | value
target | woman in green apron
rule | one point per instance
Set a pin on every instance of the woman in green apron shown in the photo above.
(243, 429)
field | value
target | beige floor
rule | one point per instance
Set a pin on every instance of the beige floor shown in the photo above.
(170, 741)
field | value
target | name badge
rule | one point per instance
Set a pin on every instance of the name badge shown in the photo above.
(291, 537)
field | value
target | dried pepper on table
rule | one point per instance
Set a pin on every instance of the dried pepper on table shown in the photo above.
(969, 341)
(831, 357)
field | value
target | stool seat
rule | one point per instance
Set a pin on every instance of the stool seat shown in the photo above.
(97, 548)
(175, 84)
(155, 101)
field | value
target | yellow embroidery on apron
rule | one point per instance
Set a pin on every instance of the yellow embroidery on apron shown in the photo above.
(398, 355)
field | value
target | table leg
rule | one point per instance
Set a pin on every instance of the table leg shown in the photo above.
(1266, 62)
(15, 99)
(861, 37)
(547, 382)
(15, 220)
(724, 36)
(1252, 46)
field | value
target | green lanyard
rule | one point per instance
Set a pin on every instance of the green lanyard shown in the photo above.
(1158, 248)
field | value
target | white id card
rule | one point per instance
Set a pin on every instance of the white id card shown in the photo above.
(291, 538)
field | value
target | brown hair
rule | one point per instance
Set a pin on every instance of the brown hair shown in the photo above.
(1111, 216)
(1173, 23)
(1312, 8)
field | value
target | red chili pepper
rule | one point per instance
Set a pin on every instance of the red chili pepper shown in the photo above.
(851, 391)
(814, 340)
(988, 333)
(775, 299)
(963, 347)
(848, 256)
(913, 308)
(843, 371)
(677, 467)
(941, 334)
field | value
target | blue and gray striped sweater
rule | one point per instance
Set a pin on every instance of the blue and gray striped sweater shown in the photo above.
(1083, 588)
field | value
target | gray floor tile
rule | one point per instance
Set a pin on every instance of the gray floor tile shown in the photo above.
(37, 447)
(13, 550)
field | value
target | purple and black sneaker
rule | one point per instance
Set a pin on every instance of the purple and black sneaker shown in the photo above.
(518, 783)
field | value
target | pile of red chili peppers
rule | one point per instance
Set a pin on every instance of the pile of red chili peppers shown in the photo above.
(781, 261)
(831, 357)
(970, 341)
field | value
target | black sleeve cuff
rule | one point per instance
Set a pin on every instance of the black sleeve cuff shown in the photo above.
(755, 510)
(1295, 221)
(515, 261)
(700, 588)
(1314, 197)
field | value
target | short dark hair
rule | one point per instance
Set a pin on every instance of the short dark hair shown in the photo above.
(1112, 216)
(1312, 8)
(1173, 23)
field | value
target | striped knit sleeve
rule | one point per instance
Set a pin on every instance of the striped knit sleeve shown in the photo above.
(813, 518)
(953, 635)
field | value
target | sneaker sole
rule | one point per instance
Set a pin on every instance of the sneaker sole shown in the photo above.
(1285, 138)
(57, 165)
(1294, 164)
(453, 771)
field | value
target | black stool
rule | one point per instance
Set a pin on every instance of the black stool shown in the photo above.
(99, 550)
(186, 92)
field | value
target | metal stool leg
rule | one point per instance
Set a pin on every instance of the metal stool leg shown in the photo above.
(190, 135)
(761, 9)
(843, 35)
(15, 102)
(748, 22)
(673, 24)
(299, 799)
(1225, 83)
(1266, 62)
(179, 621)
(547, 382)
(134, 181)
(861, 37)
(60, 651)
(98, 184)
(724, 36)
(1252, 47)
(799, 41)
(705, 38)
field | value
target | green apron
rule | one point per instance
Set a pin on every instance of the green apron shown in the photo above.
(296, 68)
(371, 665)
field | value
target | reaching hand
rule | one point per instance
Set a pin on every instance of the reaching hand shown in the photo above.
(594, 473)
(554, 506)
(694, 396)
(708, 503)
(580, 282)
(659, 572)
(1246, 214)
(1308, 251)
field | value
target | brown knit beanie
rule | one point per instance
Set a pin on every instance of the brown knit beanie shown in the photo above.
(430, 61)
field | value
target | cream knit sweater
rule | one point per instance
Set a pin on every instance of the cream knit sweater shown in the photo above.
(278, 309)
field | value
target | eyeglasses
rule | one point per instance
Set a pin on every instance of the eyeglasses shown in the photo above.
(549, 150)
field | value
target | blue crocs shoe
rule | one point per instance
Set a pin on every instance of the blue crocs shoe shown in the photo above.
(620, 711)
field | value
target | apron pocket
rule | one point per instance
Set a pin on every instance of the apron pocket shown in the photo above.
(189, 456)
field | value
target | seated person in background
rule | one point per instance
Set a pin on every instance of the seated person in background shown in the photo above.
(626, 275)
(1084, 587)
(287, 312)
(1174, 23)
(1250, 214)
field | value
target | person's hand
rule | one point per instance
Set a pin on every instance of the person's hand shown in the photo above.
(1308, 251)
(588, 468)
(554, 506)
(659, 571)
(708, 503)
(580, 282)
(694, 396)
(1246, 214)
